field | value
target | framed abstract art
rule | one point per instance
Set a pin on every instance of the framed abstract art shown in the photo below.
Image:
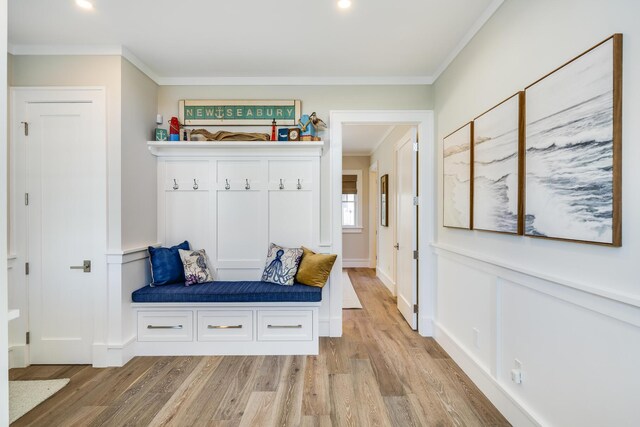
(457, 152)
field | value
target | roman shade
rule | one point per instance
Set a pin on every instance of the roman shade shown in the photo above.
(349, 184)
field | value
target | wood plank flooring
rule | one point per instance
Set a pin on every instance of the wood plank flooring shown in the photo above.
(380, 373)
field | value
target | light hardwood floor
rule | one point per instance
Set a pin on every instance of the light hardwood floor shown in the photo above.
(380, 373)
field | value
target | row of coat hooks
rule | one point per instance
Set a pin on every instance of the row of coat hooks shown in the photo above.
(227, 186)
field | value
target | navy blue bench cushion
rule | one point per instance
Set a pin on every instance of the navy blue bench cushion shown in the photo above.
(228, 292)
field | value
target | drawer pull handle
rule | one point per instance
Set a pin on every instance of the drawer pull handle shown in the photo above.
(284, 326)
(164, 327)
(224, 326)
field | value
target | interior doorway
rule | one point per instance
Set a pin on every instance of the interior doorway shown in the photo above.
(59, 205)
(422, 286)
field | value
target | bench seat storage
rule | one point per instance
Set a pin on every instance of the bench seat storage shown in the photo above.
(227, 318)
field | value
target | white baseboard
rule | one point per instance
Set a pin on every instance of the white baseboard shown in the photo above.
(390, 284)
(355, 263)
(18, 356)
(426, 327)
(113, 355)
(513, 410)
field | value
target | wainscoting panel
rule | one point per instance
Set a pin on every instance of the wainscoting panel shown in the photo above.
(577, 350)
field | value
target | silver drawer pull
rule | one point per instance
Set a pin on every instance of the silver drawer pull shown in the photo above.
(224, 326)
(284, 326)
(164, 327)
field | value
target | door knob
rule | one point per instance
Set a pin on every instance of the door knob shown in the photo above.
(85, 267)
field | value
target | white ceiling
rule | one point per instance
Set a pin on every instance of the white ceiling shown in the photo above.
(363, 140)
(375, 41)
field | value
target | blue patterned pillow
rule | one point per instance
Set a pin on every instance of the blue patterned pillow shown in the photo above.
(282, 265)
(166, 265)
(197, 268)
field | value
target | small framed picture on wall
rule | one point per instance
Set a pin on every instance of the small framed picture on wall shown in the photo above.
(384, 199)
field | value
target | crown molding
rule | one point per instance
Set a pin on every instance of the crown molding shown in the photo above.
(18, 49)
(296, 81)
(480, 22)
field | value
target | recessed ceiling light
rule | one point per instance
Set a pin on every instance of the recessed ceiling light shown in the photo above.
(86, 4)
(344, 4)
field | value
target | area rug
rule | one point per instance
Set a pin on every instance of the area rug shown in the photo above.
(349, 297)
(26, 395)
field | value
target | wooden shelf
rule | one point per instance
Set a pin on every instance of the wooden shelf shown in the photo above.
(205, 148)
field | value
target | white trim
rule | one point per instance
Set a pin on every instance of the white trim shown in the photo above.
(129, 255)
(18, 356)
(295, 81)
(620, 297)
(355, 263)
(480, 22)
(514, 410)
(424, 120)
(382, 140)
(128, 55)
(387, 281)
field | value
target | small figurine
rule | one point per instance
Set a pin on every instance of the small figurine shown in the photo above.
(273, 130)
(174, 129)
(309, 126)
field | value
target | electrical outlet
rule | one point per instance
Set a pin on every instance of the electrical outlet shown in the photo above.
(476, 337)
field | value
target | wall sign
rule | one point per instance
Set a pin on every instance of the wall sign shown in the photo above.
(239, 112)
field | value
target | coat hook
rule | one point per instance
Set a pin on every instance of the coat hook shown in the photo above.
(226, 185)
(247, 186)
(299, 185)
(281, 186)
(195, 184)
(175, 184)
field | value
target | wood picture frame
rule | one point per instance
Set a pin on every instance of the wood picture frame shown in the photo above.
(573, 149)
(239, 112)
(457, 180)
(498, 165)
(384, 200)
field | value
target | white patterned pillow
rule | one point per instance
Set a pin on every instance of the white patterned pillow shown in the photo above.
(282, 265)
(197, 268)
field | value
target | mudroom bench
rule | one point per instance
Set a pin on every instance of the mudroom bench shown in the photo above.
(227, 318)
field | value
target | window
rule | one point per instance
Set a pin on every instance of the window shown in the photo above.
(351, 201)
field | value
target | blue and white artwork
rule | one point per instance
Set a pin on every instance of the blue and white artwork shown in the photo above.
(457, 178)
(569, 150)
(495, 168)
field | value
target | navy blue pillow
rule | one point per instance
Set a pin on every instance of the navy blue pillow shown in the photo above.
(166, 265)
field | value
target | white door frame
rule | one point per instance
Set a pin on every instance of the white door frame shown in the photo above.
(374, 215)
(17, 215)
(424, 120)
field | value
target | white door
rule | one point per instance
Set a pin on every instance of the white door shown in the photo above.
(65, 176)
(406, 229)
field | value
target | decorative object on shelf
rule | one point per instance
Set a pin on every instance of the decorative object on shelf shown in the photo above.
(282, 265)
(239, 112)
(574, 149)
(293, 134)
(457, 152)
(161, 134)
(314, 269)
(229, 136)
(309, 126)
(498, 138)
(185, 134)
(174, 129)
(273, 130)
(384, 198)
(283, 134)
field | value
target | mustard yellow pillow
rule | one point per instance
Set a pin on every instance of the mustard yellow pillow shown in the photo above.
(314, 268)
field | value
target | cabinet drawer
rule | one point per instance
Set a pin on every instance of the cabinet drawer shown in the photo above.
(165, 326)
(223, 325)
(276, 325)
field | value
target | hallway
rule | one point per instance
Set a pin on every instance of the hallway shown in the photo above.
(379, 373)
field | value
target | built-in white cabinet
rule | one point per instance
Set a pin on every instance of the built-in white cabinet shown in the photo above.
(233, 199)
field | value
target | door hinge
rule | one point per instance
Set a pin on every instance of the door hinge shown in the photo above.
(415, 308)
(415, 254)
(415, 146)
(26, 128)
(26, 268)
(416, 201)
(27, 338)
(26, 199)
